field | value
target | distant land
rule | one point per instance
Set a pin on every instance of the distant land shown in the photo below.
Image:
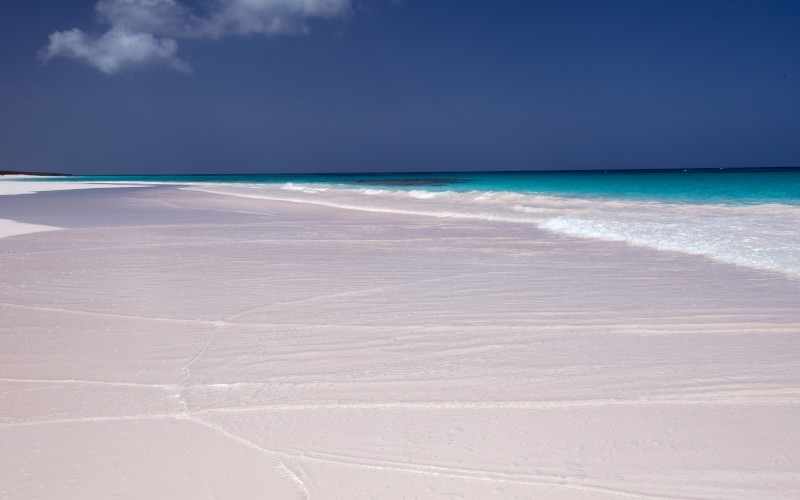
(443, 181)
(13, 172)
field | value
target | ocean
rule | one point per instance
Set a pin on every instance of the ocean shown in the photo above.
(747, 217)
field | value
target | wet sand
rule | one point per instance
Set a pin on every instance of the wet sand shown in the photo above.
(178, 344)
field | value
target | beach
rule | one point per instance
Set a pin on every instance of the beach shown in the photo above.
(160, 342)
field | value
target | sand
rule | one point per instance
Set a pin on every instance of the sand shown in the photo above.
(20, 186)
(177, 344)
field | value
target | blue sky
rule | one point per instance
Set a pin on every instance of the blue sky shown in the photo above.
(248, 86)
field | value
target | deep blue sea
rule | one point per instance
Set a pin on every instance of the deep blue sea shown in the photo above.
(745, 217)
(725, 186)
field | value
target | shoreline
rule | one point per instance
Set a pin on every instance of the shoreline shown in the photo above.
(20, 186)
(171, 342)
(753, 236)
(729, 234)
(10, 227)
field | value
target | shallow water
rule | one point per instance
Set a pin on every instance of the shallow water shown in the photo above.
(744, 217)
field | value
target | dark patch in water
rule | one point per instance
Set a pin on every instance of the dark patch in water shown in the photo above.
(14, 172)
(419, 181)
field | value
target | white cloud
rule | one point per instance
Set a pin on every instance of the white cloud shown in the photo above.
(144, 32)
(158, 17)
(115, 50)
(269, 17)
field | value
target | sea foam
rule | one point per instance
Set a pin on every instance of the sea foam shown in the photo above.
(758, 236)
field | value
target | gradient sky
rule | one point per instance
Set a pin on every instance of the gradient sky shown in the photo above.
(250, 86)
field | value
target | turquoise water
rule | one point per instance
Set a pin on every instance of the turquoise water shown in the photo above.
(743, 217)
(723, 186)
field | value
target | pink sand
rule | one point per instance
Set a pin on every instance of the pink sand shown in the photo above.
(18, 186)
(226, 347)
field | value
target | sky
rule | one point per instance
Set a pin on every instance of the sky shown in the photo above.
(296, 86)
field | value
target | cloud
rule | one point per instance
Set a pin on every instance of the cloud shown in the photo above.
(145, 32)
(158, 17)
(269, 17)
(115, 50)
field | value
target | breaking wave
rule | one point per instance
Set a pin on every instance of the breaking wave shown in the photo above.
(758, 236)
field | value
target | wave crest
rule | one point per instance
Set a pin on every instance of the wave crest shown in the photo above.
(758, 236)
